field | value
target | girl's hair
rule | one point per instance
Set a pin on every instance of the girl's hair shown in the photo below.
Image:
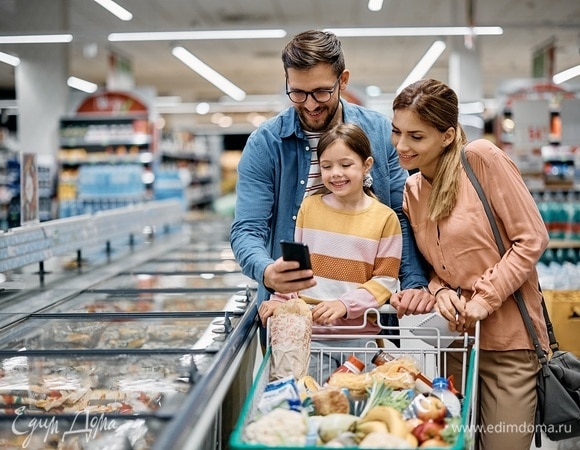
(354, 138)
(436, 104)
(310, 48)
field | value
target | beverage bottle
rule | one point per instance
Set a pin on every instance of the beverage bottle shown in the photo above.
(449, 399)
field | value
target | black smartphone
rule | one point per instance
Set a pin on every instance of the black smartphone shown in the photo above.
(296, 251)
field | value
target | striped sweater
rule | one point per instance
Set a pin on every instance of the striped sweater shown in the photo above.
(355, 254)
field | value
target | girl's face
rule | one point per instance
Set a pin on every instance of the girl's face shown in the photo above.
(343, 170)
(419, 144)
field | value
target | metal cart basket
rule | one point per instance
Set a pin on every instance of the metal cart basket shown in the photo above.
(432, 355)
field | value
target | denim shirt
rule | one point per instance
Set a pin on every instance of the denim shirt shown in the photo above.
(272, 177)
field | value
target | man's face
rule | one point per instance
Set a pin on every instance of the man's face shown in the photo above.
(315, 115)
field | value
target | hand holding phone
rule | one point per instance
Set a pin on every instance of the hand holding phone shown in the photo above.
(296, 251)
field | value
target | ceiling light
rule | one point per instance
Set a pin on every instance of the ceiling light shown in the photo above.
(375, 5)
(9, 59)
(115, 9)
(202, 108)
(167, 100)
(81, 85)
(196, 35)
(415, 31)
(373, 91)
(424, 64)
(566, 75)
(219, 81)
(37, 39)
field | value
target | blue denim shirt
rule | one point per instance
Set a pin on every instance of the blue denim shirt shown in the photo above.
(272, 177)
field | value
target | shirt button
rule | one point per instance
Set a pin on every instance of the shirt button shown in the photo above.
(293, 217)
(301, 181)
(307, 148)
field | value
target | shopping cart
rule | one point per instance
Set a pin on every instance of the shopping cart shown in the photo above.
(432, 355)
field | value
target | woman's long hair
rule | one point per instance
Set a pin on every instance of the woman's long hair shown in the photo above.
(436, 104)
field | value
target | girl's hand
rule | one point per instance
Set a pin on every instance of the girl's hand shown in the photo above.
(326, 313)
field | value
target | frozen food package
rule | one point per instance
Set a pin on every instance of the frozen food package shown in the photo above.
(290, 337)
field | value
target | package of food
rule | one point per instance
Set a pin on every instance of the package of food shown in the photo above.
(290, 337)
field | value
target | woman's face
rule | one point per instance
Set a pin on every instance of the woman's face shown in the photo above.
(418, 143)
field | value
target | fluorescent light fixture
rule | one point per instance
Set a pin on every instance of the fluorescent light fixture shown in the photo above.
(37, 39)
(375, 5)
(115, 9)
(81, 85)
(566, 75)
(424, 64)
(167, 100)
(196, 35)
(208, 73)
(9, 59)
(415, 31)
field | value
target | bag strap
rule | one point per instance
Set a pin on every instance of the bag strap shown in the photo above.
(501, 247)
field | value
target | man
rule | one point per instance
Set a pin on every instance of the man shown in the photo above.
(279, 167)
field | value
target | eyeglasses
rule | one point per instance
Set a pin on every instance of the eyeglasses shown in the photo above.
(319, 95)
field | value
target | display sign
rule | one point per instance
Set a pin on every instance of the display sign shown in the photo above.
(28, 189)
(532, 124)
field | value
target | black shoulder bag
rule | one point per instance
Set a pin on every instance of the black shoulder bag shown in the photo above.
(558, 381)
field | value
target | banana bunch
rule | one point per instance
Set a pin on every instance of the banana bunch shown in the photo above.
(384, 419)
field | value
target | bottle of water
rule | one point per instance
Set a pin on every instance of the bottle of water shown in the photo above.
(449, 399)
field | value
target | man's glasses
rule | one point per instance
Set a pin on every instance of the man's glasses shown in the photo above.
(319, 95)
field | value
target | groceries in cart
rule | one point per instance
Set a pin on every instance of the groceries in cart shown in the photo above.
(385, 404)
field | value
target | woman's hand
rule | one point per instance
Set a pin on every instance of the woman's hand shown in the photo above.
(327, 312)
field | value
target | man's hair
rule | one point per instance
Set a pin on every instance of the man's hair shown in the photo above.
(311, 48)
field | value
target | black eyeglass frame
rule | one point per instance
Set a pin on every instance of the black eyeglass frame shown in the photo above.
(312, 93)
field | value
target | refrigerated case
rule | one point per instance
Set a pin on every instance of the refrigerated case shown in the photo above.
(136, 350)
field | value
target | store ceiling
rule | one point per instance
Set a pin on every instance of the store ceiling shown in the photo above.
(255, 66)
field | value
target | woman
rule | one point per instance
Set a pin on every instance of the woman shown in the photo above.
(454, 235)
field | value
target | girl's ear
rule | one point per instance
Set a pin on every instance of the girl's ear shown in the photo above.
(368, 163)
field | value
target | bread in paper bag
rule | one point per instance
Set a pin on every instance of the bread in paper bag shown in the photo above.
(290, 336)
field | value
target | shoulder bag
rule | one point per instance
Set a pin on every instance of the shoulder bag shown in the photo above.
(558, 381)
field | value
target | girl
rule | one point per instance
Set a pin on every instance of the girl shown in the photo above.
(355, 241)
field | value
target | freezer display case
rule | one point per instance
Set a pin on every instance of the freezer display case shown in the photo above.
(158, 302)
(133, 346)
(153, 282)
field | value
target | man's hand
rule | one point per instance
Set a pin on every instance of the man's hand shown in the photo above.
(412, 301)
(283, 276)
(266, 310)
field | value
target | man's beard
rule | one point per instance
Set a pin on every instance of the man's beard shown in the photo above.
(308, 126)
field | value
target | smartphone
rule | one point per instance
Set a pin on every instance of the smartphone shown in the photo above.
(296, 251)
